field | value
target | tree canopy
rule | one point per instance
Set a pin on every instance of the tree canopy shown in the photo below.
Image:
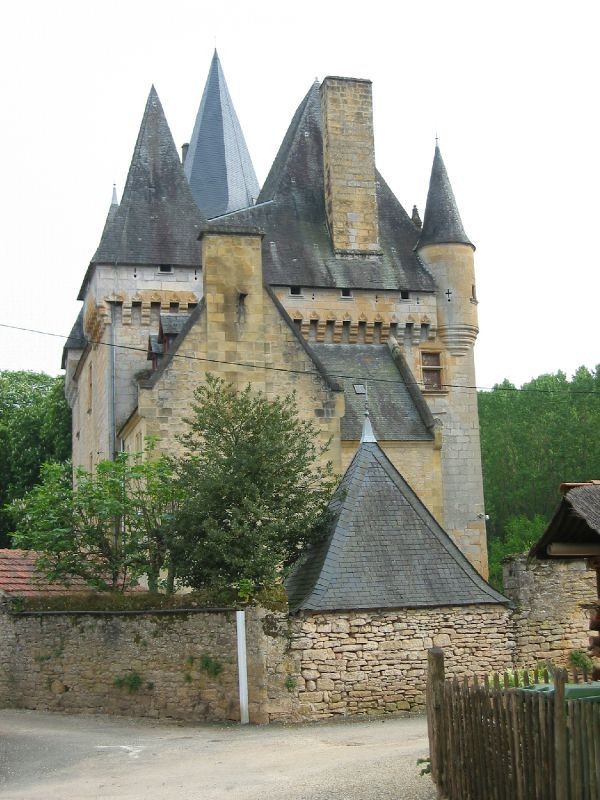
(247, 494)
(109, 528)
(256, 489)
(532, 440)
(35, 427)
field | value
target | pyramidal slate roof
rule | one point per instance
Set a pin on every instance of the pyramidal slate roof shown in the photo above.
(290, 209)
(218, 165)
(384, 549)
(157, 221)
(441, 223)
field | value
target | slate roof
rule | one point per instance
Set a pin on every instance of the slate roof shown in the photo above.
(441, 223)
(18, 576)
(76, 339)
(157, 221)
(218, 165)
(575, 521)
(297, 248)
(396, 413)
(172, 323)
(384, 549)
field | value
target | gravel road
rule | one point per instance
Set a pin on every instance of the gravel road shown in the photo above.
(61, 757)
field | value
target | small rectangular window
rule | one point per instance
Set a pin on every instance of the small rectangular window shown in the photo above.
(346, 293)
(296, 290)
(403, 294)
(165, 268)
(431, 369)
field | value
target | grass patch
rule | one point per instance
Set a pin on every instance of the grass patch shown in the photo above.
(132, 681)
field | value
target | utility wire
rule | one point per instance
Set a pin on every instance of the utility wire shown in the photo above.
(300, 371)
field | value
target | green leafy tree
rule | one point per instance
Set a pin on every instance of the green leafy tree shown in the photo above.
(532, 440)
(535, 439)
(520, 533)
(110, 528)
(256, 490)
(35, 427)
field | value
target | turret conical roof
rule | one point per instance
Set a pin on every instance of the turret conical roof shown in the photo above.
(384, 549)
(218, 165)
(442, 223)
(157, 221)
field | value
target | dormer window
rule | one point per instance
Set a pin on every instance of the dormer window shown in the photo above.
(346, 294)
(165, 268)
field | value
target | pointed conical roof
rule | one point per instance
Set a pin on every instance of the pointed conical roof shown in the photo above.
(218, 165)
(157, 221)
(384, 549)
(442, 223)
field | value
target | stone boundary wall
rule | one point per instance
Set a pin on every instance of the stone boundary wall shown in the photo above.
(185, 663)
(376, 662)
(309, 666)
(548, 619)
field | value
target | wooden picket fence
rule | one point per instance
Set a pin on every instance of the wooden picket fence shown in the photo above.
(493, 741)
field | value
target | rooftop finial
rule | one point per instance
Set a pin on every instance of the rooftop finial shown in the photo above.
(114, 201)
(437, 140)
(367, 431)
(416, 218)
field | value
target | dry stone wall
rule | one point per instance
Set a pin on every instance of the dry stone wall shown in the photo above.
(376, 662)
(161, 665)
(308, 666)
(550, 619)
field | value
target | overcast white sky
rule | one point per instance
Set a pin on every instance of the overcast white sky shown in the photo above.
(510, 88)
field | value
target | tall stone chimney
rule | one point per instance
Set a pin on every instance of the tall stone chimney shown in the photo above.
(349, 165)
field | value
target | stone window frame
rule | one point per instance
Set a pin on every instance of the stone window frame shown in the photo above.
(432, 369)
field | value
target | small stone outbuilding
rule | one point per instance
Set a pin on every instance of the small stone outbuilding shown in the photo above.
(386, 584)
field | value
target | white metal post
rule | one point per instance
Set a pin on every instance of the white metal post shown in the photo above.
(240, 621)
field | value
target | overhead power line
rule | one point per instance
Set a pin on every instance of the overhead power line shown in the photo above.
(357, 378)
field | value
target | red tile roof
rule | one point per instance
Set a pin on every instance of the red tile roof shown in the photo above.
(19, 577)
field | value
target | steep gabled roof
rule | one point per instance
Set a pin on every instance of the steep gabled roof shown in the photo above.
(218, 165)
(442, 223)
(297, 248)
(157, 221)
(384, 549)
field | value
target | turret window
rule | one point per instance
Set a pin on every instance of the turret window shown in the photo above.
(431, 370)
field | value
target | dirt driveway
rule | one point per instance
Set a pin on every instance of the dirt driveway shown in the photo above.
(60, 757)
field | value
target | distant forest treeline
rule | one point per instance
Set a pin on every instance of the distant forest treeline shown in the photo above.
(532, 440)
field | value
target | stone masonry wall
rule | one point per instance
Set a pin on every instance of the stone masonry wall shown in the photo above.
(82, 663)
(349, 164)
(300, 667)
(549, 621)
(376, 662)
